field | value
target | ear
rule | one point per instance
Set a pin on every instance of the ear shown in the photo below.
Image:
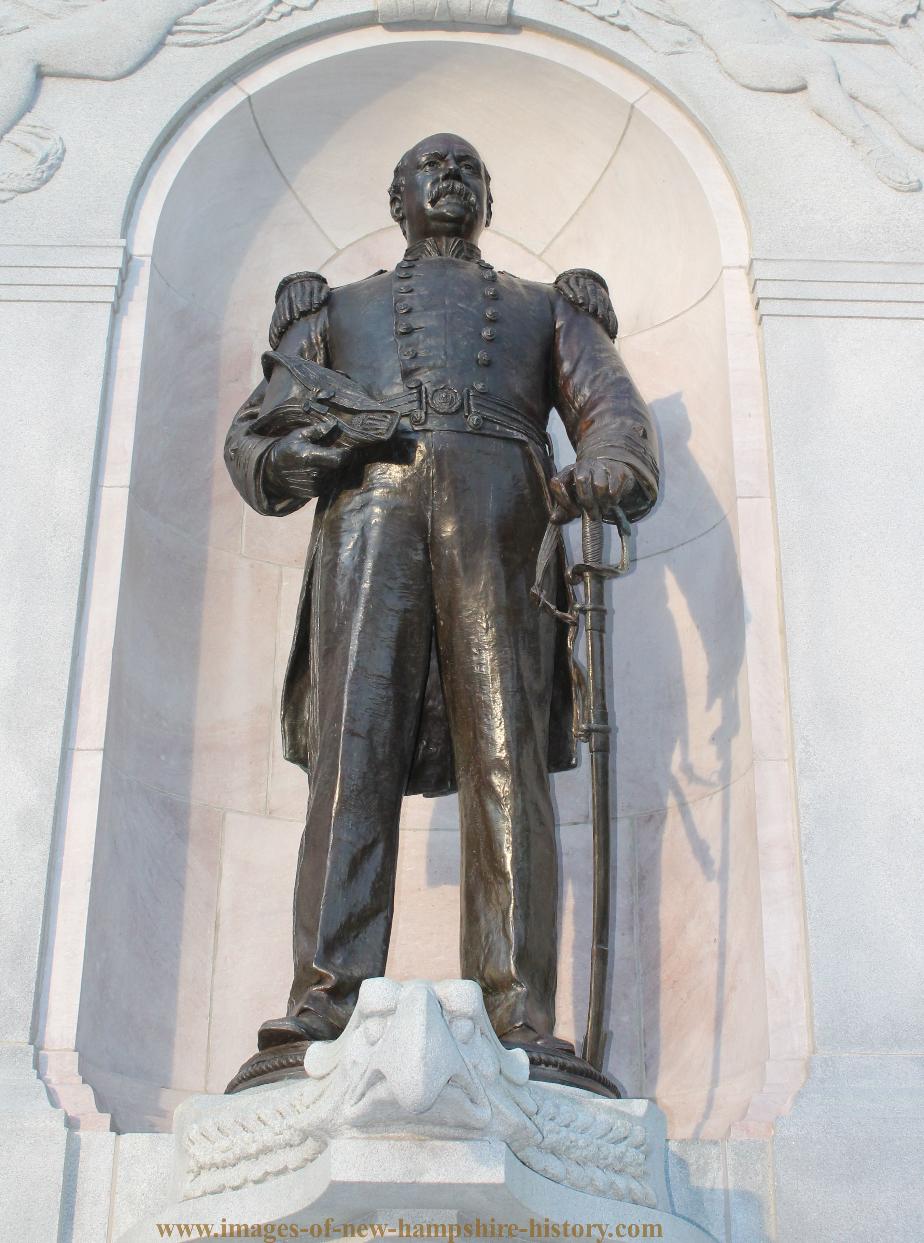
(489, 209)
(397, 213)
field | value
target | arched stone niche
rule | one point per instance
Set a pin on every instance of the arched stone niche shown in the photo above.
(198, 818)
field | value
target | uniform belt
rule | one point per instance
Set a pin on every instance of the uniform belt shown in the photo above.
(449, 409)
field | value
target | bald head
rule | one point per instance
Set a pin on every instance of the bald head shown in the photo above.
(441, 188)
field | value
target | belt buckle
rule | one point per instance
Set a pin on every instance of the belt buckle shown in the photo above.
(445, 399)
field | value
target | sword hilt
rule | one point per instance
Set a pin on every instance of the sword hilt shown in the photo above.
(591, 539)
(592, 548)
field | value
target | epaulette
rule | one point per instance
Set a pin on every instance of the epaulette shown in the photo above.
(603, 310)
(299, 276)
(294, 277)
(291, 306)
(292, 302)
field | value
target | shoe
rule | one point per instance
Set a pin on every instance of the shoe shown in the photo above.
(295, 1028)
(524, 1035)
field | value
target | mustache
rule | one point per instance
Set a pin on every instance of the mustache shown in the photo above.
(451, 186)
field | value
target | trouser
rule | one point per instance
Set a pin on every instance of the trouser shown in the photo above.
(435, 537)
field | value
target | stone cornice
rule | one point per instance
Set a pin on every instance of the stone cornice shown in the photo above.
(837, 288)
(72, 272)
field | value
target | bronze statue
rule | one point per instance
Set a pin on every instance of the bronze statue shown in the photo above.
(414, 405)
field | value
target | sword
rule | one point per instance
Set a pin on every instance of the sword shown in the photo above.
(592, 727)
(595, 730)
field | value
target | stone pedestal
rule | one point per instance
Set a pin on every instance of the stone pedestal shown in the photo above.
(418, 1114)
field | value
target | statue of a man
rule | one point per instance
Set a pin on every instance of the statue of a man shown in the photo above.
(420, 664)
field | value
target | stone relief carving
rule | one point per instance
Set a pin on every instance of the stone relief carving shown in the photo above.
(477, 12)
(421, 1061)
(101, 40)
(898, 24)
(777, 46)
(795, 46)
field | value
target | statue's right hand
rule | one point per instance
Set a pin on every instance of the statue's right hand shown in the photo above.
(297, 468)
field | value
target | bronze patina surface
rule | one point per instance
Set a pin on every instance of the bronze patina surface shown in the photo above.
(414, 405)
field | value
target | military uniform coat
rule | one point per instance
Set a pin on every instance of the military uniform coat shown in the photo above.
(449, 338)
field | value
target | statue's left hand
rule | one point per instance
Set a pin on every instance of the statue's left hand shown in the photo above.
(595, 485)
(300, 294)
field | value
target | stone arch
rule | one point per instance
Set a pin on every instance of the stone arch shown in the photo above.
(196, 820)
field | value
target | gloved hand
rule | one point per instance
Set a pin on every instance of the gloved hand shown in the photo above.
(595, 485)
(298, 468)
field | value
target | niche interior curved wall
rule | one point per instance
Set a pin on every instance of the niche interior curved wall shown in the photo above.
(188, 943)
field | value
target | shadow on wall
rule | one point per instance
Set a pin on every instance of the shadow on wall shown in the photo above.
(191, 702)
(648, 646)
(725, 652)
(696, 1194)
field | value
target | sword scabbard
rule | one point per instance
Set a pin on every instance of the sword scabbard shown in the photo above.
(597, 732)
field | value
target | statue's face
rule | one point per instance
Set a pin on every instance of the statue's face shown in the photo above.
(445, 189)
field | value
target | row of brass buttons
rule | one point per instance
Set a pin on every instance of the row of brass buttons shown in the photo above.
(483, 358)
(405, 270)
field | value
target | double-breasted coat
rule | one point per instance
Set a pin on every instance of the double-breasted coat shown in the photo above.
(419, 663)
(465, 327)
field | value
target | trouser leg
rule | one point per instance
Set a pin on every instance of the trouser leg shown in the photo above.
(371, 633)
(496, 652)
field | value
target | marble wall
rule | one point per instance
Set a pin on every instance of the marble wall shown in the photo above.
(164, 951)
(189, 911)
(128, 870)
